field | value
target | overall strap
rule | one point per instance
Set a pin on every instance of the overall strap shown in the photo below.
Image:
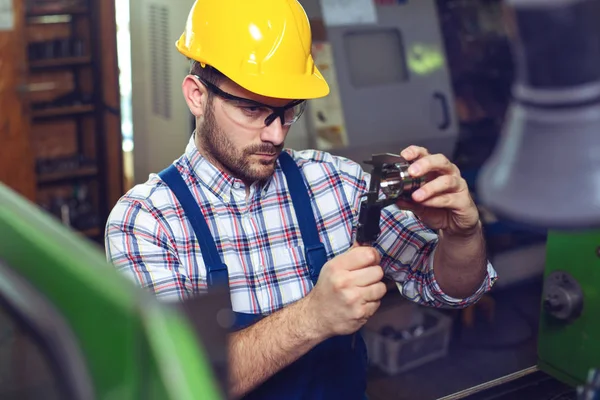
(315, 253)
(216, 270)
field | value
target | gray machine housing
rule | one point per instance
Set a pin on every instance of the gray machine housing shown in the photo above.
(388, 102)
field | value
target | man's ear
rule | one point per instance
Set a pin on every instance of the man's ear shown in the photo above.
(195, 95)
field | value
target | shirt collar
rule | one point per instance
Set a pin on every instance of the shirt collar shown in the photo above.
(216, 181)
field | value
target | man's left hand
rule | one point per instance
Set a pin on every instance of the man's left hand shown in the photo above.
(443, 202)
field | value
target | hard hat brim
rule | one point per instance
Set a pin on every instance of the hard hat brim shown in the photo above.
(295, 87)
(287, 87)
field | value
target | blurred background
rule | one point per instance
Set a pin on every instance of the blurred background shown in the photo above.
(90, 105)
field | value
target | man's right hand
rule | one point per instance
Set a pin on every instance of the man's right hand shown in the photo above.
(347, 293)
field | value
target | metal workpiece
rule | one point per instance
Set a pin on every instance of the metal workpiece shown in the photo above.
(396, 182)
(390, 175)
(390, 182)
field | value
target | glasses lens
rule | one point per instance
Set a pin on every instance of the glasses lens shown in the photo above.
(292, 114)
(252, 116)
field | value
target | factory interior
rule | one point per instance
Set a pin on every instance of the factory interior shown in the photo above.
(91, 105)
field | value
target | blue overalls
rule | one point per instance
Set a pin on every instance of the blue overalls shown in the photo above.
(334, 369)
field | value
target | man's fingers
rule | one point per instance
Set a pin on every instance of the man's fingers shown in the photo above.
(375, 292)
(367, 276)
(357, 258)
(371, 308)
(451, 201)
(432, 163)
(440, 185)
(412, 153)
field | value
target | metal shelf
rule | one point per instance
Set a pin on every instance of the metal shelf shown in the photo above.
(83, 105)
(55, 177)
(63, 111)
(63, 11)
(60, 62)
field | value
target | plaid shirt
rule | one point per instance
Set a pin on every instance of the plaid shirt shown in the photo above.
(149, 239)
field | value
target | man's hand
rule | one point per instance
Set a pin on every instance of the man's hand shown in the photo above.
(444, 201)
(347, 294)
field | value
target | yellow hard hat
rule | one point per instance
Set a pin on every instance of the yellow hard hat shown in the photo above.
(262, 45)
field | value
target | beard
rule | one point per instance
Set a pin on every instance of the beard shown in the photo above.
(238, 162)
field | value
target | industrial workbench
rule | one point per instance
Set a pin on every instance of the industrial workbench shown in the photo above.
(528, 384)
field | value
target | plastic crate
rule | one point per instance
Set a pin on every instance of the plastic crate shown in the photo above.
(396, 349)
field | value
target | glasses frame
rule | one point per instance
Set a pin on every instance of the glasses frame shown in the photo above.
(278, 112)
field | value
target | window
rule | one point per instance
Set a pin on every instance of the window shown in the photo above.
(385, 47)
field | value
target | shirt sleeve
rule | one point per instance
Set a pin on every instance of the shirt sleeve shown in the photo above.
(407, 248)
(138, 246)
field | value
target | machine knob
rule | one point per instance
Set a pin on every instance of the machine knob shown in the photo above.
(563, 297)
(552, 304)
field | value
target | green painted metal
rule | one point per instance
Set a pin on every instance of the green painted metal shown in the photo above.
(134, 346)
(569, 351)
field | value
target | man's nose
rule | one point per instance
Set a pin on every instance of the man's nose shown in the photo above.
(274, 133)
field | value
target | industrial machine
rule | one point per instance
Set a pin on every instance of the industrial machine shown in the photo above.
(72, 328)
(545, 173)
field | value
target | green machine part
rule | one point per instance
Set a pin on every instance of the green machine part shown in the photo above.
(569, 334)
(132, 345)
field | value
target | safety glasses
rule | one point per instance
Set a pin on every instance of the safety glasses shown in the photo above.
(253, 114)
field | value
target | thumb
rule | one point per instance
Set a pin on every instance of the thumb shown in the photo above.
(358, 257)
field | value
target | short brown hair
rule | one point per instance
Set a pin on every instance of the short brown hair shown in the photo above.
(208, 73)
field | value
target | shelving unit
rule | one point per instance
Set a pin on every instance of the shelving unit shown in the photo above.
(57, 177)
(61, 62)
(65, 111)
(48, 11)
(68, 120)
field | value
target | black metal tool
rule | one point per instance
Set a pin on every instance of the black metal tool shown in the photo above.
(390, 182)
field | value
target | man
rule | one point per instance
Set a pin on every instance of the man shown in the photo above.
(277, 225)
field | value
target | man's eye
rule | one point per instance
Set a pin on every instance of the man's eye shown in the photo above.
(254, 111)
(251, 109)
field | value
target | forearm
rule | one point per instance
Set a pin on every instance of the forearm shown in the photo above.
(460, 263)
(261, 350)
